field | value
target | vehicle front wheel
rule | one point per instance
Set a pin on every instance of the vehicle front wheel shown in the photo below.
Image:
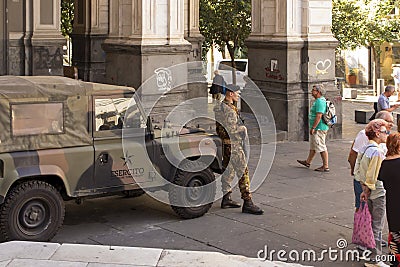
(193, 199)
(33, 211)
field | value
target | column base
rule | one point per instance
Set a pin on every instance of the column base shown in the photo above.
(132, 64)
(89, 57)
(285, 73)
(47, 56)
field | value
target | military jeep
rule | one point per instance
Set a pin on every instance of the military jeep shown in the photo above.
(62, 139)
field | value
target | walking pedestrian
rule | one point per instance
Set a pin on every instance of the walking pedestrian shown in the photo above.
(232, 133)
(360, 142)
(390, 176)
(396, 78)
(366, 170)
(318, 130)
(217, 86)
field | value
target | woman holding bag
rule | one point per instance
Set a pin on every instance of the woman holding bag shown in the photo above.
(390, 176)
(366, 171)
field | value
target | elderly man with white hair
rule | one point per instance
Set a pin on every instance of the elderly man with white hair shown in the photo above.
(383, 100)
(318, 130)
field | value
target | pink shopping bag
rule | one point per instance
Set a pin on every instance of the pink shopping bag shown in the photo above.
(362, 230)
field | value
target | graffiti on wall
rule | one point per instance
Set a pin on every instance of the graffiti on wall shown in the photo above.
(272, 71)
(45, 59)
(322, 66)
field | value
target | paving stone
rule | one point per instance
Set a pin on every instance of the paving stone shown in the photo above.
(316, 232)
(160, 238)
(107, 254)
(27, 250)
(45, 263)
(260, 263)
(73, 234)
(272, 218)
(196, 259)
(91, 264)
(342, 218)
(209, 228)
(309, 206)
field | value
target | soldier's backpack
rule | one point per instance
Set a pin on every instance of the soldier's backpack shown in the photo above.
(330, 117)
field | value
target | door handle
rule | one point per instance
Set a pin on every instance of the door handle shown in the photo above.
(103, 158)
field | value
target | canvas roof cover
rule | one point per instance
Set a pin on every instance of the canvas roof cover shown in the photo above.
(29, 90)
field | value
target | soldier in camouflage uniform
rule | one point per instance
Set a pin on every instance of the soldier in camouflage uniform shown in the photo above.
(232, 134)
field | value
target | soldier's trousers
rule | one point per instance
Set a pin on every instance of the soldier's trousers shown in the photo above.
(234, 161)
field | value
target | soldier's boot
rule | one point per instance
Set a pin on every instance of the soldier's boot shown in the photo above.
(227, 202)
(250, 207)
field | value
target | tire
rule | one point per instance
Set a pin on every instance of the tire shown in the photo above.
(32, 211)
(133, 193)
(190, 198)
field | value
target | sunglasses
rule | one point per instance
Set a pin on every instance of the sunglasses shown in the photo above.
(386, 132)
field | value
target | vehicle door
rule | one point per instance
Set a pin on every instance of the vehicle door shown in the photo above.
(114, 167)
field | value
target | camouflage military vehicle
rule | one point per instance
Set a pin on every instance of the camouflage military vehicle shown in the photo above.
(61, 139)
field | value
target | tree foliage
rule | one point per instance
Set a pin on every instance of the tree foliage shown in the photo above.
(226, 23)
(67, 16)
(368, 23)
(358, 23)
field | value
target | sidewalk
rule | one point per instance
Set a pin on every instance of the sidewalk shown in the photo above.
(21, 253)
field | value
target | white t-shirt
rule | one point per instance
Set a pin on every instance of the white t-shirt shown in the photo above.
(362, 140)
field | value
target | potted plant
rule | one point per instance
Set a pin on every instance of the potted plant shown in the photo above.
(352, 77)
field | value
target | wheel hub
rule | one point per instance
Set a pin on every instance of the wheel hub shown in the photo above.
(195, 191)
(33, 214)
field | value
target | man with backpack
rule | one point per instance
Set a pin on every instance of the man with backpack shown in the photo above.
(318, 129)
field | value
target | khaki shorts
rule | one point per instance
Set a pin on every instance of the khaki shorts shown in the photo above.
(317, 141)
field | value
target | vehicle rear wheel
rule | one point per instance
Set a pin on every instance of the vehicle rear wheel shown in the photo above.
(186, 203)
(33, 210)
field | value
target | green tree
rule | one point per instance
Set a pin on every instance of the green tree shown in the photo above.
(67, 16)
(368, 23)
(226, 23)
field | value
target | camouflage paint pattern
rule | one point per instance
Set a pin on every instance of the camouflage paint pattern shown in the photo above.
(84, 161)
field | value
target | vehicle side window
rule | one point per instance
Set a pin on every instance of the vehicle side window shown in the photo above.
(36, 118)
(110, 113)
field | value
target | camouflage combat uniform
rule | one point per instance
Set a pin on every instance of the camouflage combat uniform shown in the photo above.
(227, 124)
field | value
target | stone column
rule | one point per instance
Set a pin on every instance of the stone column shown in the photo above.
(290, 49)
(14, 36)
(47, 41)
(3, 34)
(192, 34)
(144, 36)
(89, 32)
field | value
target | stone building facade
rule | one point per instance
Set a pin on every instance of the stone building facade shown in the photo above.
(124, 41)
